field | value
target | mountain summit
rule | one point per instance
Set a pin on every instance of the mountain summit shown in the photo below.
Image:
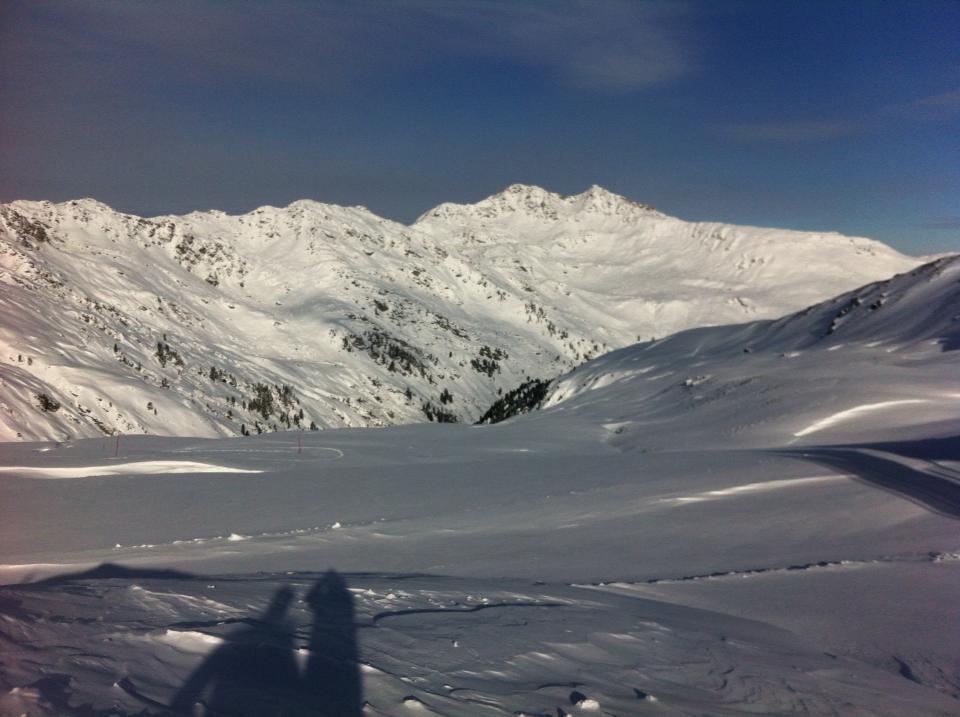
(533, 201)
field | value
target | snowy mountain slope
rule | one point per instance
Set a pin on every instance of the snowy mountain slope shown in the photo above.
(209, 324)
(880, 358)
(731, 520)
(637, 273)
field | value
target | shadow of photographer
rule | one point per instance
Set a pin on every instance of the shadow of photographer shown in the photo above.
(255, 671)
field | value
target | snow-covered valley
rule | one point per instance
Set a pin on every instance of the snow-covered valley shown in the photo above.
(745, 519)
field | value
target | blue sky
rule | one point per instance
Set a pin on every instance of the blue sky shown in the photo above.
(840, 115)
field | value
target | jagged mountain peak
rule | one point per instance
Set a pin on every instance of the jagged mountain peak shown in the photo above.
(601, 200)
(513, 199)
(539, 203)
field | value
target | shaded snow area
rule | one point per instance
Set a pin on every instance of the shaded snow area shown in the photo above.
(388, 644)
(327, 316)
(752, 519)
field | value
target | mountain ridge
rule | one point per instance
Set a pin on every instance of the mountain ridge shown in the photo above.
(367, 321)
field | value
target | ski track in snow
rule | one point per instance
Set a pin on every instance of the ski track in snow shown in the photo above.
(239, 537)
(285, 452)
(853, 564)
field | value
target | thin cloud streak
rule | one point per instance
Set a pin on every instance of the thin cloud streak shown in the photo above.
(941, 224)
(940, 107)
(792, 131)
(614, 46)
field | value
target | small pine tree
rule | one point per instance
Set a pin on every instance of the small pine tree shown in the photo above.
(47, 403)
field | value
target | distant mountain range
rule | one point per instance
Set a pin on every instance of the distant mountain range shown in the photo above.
(323, 316)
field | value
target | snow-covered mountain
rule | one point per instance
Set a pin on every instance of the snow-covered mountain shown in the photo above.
(318, 315)
(881, 361)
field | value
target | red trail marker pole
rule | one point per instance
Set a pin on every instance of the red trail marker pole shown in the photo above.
(116, 452)
(299, 451)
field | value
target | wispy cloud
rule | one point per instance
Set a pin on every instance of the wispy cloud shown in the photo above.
(941, 223)
(942, 106)
(790, 131)
(615, 45)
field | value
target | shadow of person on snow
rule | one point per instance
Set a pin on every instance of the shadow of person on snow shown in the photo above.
(255, 672)
(332, 677)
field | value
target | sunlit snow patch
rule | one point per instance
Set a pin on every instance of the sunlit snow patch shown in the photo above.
(853, 412)
(188, 640)
(750, 488)
(140, 467)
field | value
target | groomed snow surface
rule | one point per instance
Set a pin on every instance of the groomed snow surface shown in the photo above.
(758, 519)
